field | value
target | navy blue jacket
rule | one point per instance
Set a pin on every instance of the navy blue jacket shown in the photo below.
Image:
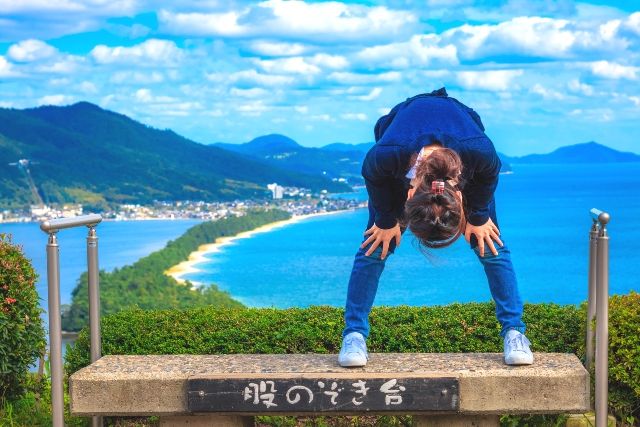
(422, 120)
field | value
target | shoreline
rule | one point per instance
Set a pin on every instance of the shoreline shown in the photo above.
(200, 254)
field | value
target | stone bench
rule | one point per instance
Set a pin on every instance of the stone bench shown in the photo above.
(446, 389)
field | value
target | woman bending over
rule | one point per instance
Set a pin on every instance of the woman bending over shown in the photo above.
(432, 170)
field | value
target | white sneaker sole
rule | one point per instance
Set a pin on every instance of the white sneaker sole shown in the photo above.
(352, 362)
(519, 359)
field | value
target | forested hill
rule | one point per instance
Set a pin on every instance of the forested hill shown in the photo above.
(89, 155)
(144, 284)
(333, 161)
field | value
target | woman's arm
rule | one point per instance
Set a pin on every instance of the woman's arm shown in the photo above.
(481, 188)
(479, 192)
(381, 166)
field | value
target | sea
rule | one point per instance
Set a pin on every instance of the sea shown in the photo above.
(543, 215)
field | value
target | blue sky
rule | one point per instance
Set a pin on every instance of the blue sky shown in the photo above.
(541, 73)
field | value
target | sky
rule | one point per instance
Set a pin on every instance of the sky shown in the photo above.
(541, 74)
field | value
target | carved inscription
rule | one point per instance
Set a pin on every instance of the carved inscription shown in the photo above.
(322, 394)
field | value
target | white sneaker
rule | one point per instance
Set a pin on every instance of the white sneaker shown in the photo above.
(516, 349)
(354, 351)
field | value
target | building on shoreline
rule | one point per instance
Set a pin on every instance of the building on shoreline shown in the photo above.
(297, 201)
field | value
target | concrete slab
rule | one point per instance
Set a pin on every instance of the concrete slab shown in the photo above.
(146, 385)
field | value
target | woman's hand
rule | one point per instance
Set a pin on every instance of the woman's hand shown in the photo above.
(380, 235)
(484, 233)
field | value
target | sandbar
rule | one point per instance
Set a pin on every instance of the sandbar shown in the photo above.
(199, 256)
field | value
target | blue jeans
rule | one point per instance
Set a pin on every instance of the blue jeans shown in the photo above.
(366, 272)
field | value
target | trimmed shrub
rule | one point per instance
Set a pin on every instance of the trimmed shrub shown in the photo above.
(624, 356)
(209, 330)
(21, 330)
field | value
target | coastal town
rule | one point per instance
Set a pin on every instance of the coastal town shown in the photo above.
(296, 201)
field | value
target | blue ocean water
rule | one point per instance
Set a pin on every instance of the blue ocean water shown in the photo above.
(543, 217)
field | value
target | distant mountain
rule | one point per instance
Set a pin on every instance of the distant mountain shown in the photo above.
(333, 160)
(284, 153)
(98, 157)
(589, 152)
(264, 146)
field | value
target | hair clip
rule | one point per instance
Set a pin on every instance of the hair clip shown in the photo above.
(437, 186)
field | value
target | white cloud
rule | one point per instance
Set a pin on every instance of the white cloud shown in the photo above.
(55, 100)
(498, 80)
(547, 93)
(420, 50)
(6, 68)
(66, 65)
(30, 50)
(214, 113)
(267, 48)
(358, 78)
(152, 51)
(354, 116)
(94, 7)
(48, 19)
(88, 88)
(329, 61)
(375, 93)
(294, 65)
(121, 77)
(145, 95)
(537, 37)
(633, 23)
(577, 86)
(279, 18)
(255, 92)
(302, 109)
(255, 108)
(322, 118)
(62, 81)
(250, 78)
(612, 70)
(593, 114)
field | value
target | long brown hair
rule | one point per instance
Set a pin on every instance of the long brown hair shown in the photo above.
(436, 219)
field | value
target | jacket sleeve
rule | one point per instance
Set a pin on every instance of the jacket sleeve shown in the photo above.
(380, 167)
(479, 191)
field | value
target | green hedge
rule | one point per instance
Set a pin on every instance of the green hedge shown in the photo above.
(208, 330)
(21, 331)
(453, 328)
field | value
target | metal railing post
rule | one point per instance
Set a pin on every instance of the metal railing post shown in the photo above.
(591, 300)
(94, 303)
(602, 323)
(55, 331)
(55, 328)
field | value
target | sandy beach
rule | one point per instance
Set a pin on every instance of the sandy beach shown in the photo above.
(178, 271)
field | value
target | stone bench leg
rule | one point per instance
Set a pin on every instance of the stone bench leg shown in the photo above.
(456, 420)
(207, 421)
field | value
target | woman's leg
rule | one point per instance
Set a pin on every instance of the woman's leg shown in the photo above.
(363, 285)
(502, 283)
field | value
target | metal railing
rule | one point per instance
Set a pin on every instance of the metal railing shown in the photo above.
(52, 227)
(598, 307)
